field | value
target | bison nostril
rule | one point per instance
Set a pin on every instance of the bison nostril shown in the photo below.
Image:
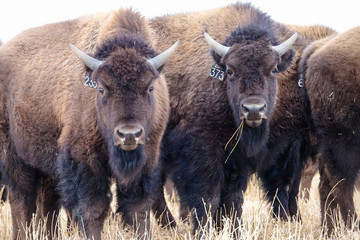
(120, 134)
(245, 109)
(263, 109)
(138, 133)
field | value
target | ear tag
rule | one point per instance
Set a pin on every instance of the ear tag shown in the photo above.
(301, 82)
(217, 72)
(89, 82)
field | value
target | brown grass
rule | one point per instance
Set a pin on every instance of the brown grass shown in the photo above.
(258, 223)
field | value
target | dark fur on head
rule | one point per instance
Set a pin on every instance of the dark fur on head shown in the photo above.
(120, 40)
(254, 32)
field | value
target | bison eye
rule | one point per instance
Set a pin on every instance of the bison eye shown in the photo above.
(229, 72)
(101, 90)
(151, 88)
(275, 70)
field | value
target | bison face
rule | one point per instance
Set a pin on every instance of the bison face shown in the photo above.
(126, 96)
(251, 81)
(250, 72)
(251, 65)
(125, 101)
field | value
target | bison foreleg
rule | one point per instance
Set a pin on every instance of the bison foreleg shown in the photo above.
(85, 192)
(135, 212)
(232, 198)
(22, 197)
(48, 206)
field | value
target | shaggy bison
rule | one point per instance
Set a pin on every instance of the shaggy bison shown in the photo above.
(75, 124)
(258, 94)
(206, 112)
(331, 71)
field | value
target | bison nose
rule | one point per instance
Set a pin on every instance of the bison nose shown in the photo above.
(128, 137)
(253, 110)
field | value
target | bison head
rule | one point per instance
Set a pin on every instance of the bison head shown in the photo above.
(127, 82)
(250, 63)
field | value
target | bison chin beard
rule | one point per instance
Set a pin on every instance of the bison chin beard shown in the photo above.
(125, 165)
(253, 140)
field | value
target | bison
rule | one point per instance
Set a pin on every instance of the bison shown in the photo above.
(72, 125)
(206, 112)
(330, 68)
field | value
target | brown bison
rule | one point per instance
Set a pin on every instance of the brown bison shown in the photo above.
(331, 71)
(206, 112)
(76, 137)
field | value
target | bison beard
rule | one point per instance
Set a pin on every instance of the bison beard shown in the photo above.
(253, 140)
(126, 163)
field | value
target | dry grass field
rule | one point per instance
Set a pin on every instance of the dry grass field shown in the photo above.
(258, 223)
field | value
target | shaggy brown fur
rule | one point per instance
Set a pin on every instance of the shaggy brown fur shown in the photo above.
(202, 121)
(54, 128)
(332, 82)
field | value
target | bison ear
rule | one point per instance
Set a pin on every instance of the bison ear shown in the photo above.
(160, 68)
(215, 56)
(286, 60)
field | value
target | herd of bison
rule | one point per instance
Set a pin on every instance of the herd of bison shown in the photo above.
(203, 99)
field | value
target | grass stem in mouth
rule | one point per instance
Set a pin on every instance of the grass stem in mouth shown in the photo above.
(239, 133)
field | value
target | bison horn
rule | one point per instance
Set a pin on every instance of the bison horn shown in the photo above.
(285, 46)
(89, 61)
(160, 59)
(214, 45)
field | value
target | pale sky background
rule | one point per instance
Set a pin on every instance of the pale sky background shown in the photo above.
(18, 15)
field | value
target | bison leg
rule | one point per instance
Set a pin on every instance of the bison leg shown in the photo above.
(135, 211)
(22, 197)
(199, 191)
(293, 196)
(308, 174)
(335, 194)
(232, 198)
(161, 210)
(48, 206)
(281, 180)
(85, 193)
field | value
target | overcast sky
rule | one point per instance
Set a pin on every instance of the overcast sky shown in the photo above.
(18, 15)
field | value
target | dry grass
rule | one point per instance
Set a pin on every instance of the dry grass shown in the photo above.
(258, 223)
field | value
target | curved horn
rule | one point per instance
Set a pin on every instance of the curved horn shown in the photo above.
(214, 45)
(160, 59)
(285, 46)
(89, 61)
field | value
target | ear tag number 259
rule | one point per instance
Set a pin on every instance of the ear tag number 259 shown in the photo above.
(217, 72)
